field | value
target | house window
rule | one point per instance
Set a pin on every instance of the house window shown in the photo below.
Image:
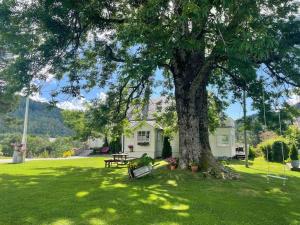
(223, 140)
(143, 137)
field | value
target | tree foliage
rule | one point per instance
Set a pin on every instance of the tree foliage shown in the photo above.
(167, 149)
(38, 146)
(139, 36)
(77, 121)
(121, 44)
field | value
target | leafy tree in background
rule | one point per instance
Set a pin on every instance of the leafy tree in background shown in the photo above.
(294, 153)
(293, 135)
(255, 123)
(8, 100)
(167, 149)
(7, 103)
(120, 44)
(77, 121)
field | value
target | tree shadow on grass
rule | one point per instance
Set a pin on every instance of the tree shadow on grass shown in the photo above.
(87, 195)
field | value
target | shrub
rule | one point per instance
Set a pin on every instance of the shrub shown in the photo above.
(68, 153)
(105, 143)
(294, 153)
(277, 148)
(274, 150)
(6, 140)
(44, 154)
(167, 149)
(252, 153)
(115, 146)
(293, 135)
(145, 160)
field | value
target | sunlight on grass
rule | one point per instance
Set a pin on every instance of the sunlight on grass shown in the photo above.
(83, 192)
(177, 207)
(172, 183)
(63, 222)
(108, 184)
(96, 221)
(111, 210)
(92, 212)
(183, 214)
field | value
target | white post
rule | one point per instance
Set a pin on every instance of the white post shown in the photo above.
(20, 151)
(245, 131)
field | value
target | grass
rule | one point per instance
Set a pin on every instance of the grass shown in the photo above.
(81, 191)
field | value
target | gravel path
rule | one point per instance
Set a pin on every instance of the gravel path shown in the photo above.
(73, 157)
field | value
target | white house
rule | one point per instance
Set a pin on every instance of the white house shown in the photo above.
(95, 142)
(147, 137)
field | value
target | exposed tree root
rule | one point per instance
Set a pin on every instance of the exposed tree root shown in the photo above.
(219, 171)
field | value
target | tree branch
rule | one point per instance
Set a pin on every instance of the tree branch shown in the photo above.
(238, 81)
(275, 75)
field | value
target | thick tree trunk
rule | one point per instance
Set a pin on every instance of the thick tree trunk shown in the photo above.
(193, 129)
(191, 72)
(18, 157)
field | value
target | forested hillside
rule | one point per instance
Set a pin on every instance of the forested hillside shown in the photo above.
(43, 120)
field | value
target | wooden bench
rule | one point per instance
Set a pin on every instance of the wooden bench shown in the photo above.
(109, 162)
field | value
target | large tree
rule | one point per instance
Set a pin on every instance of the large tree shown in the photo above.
(120, 44)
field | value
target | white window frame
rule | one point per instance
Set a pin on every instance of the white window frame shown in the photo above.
(221, 140)
(143, 136)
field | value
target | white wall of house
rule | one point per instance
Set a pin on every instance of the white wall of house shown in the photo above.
(95, 142)
(222, 141)
(153, 149)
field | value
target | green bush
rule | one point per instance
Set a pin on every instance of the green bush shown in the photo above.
(252, 153)
(294, 153)
(44, 154)
(6, 140)
(274, 149)
(144, 160)
(277, 148)
(68, 153)
(39, 146)
(167, 149)
(115, 146)
(105, 143)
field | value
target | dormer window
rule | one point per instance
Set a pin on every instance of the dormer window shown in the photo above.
(143, 137)
(223, 140)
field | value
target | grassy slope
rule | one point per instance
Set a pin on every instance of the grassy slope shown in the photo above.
(83, 192)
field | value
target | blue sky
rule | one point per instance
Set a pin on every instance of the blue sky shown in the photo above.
(235, 110)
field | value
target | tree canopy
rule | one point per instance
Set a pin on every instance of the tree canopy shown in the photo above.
(218, 44)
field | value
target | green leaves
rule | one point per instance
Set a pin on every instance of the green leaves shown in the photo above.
(77, 121)
(119, 45)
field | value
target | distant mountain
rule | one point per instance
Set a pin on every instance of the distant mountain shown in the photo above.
(44, 120)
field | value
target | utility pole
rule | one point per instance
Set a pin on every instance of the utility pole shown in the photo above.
(20, 149)
(24, 137)
(245, 131)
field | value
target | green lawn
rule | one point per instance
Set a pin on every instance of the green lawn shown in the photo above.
(81, 191)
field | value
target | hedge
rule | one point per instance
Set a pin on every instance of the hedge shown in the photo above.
(274, 149)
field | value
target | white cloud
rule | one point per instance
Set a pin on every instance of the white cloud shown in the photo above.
(73, 104)
(37, 97)
(293, 99)
(102, 96)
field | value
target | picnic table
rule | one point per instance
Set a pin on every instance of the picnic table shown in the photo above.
(119, 158)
